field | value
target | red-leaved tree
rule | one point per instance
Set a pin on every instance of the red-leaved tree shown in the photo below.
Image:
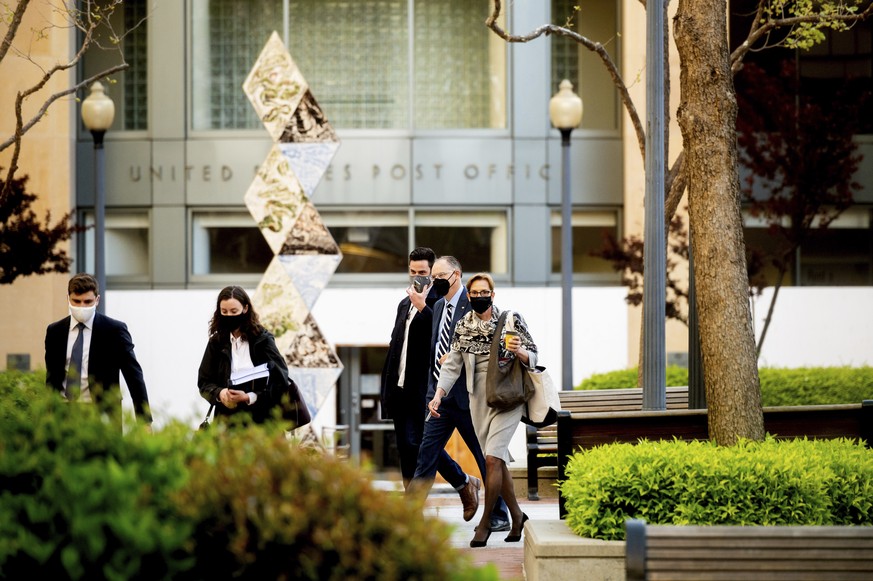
(800, 158)
(27, 244)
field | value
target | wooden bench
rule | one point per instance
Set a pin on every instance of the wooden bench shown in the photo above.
(587, 430)
(542, 443)
(795, 553)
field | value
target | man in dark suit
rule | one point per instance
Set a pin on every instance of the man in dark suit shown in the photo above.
(86, 351)
(405, 379)
(455, 407)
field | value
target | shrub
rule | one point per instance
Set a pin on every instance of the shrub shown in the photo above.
(627, 378)
(79, 500)
(267, 509)
(773, 482)
(779, 387)
(815, 385)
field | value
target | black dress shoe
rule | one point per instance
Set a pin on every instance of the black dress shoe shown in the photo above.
(476, 544)
(500, 525)
(516, 538)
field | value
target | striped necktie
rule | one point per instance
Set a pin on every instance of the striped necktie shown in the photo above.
(443, 343)
(74, 371)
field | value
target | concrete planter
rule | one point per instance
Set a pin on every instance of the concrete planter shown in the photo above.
(552, 552)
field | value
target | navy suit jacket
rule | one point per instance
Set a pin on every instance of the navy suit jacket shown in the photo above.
(417, 368)
(110, 353)
(458, 395)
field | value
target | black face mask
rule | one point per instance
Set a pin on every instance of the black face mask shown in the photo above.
(441, 287)
(230, 323)
(480, 304)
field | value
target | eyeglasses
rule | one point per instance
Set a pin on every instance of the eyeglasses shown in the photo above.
(444, 275)
(476, 294)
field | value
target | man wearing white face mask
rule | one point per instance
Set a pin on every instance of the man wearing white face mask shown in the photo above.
(86, 351)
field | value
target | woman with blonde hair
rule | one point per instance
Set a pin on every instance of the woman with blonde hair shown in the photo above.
(470, 350)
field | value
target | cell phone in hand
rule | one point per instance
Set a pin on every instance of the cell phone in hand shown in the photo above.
(419, 283)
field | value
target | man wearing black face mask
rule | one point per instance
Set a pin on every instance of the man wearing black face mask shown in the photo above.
(455, 413)
(406, 370)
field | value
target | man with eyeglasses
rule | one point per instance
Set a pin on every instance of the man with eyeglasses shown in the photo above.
(405, 379)
(452, 305)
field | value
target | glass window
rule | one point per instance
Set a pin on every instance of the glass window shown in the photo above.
(126, 246)
(370, 242)
(356, 57)
(359, 68)
(227, 38)
(460, 67)
(380, 242)
(589, 230)
(130, 92)
(839, 255)
(598, 21)
(477, 239)
(228, 243)
(760, 247)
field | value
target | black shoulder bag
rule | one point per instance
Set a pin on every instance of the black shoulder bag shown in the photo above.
(204, 425)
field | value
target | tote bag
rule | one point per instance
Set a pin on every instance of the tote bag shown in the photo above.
(542, 408)
(508, 387)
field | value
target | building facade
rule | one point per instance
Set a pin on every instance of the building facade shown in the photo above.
(445, 142)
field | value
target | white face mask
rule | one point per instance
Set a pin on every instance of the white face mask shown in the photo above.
(82, 314)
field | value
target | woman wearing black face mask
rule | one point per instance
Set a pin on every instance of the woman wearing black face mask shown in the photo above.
(238, 342)
(470, 349)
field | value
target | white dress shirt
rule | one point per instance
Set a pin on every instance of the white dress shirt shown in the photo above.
(401, 369)
(241, 358)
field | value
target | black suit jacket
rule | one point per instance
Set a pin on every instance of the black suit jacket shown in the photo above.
(417, 365)
(110, 353)
(458, 395)
(214, 375)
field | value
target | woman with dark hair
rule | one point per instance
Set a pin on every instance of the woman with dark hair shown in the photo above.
(237, 343)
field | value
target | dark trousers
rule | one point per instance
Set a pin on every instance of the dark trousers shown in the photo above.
(437, 432)
(409, 429)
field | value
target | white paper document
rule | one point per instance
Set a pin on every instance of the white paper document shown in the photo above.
(245, 375)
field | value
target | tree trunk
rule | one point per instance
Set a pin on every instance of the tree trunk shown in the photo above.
(707, 119)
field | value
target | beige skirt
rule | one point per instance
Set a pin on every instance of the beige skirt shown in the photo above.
(494, 429)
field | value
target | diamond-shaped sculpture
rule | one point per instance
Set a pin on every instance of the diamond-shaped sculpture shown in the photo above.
(279, 200)
(275, 87)
(275, 199)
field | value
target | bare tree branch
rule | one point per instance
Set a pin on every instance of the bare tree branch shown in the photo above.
(70, 90)
(21, 128)
(676, 180)
(762, 27)
(15, 22)
(88, 19)
(596, 47)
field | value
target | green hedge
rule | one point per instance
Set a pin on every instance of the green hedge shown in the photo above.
(779, 387)
(266, 510)
(774, 482)
(79, 501)
(627, 378)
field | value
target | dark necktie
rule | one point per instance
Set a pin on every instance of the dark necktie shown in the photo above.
(443, 343)
(74, 372)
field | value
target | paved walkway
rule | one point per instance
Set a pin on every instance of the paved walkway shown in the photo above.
(444, 503)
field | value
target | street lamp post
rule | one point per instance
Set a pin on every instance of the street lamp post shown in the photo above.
(565, 112)
(98, 112)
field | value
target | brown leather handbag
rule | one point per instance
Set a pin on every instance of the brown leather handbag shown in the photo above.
(509, 386)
